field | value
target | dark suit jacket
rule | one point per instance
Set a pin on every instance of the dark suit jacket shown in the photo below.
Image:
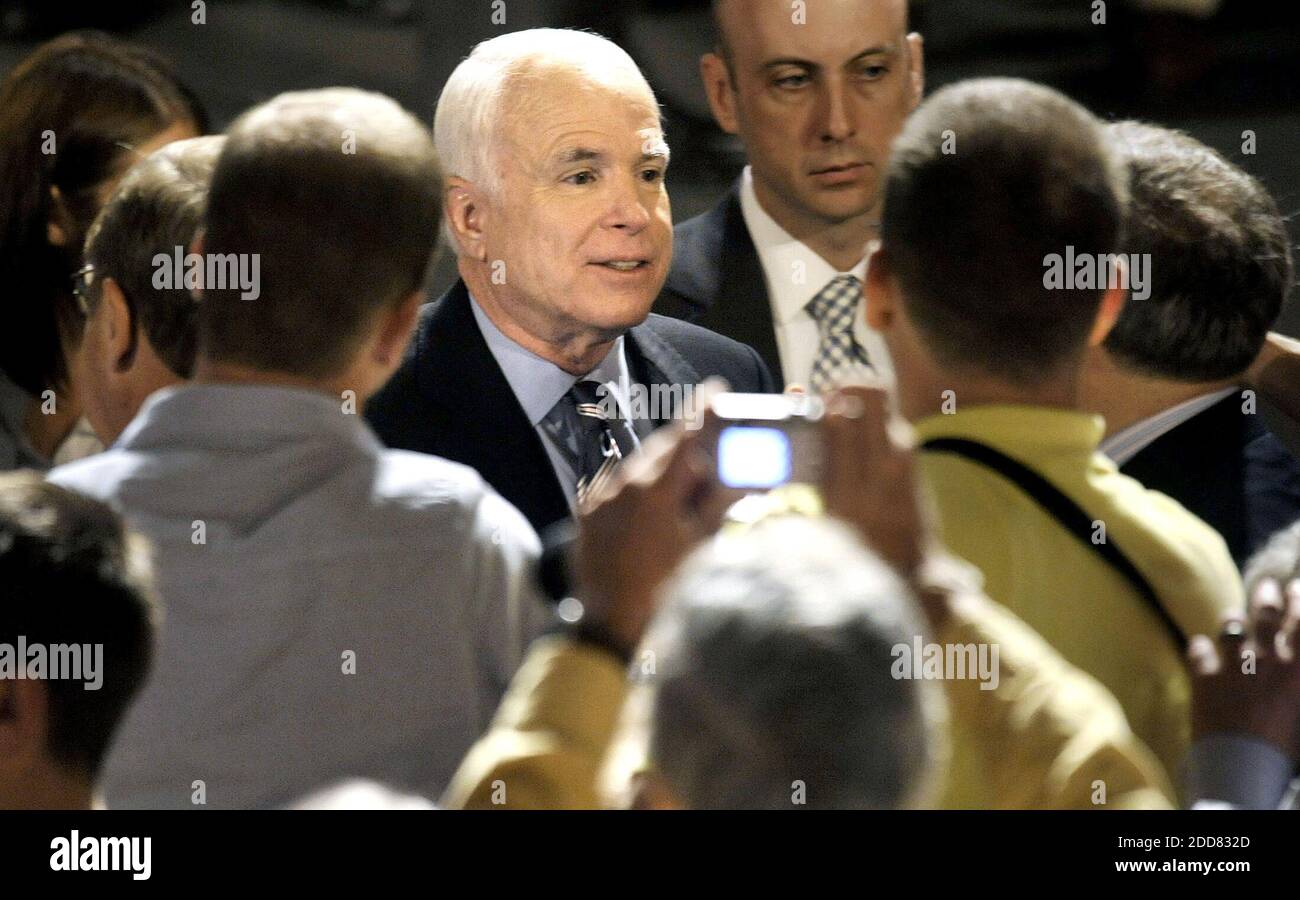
(451, 399)
(717, 281)
(1228, 468)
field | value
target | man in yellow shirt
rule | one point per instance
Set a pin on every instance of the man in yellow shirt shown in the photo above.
(1044, 736)
(996, 270)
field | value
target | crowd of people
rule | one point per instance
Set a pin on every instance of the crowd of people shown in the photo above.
(274, 527)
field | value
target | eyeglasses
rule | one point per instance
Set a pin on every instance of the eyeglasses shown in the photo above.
(82, 279)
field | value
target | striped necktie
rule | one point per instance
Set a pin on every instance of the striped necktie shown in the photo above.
(603, 440)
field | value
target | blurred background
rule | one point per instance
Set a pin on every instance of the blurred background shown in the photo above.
(1216, 68)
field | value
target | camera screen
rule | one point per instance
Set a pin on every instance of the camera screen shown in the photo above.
(753, 457)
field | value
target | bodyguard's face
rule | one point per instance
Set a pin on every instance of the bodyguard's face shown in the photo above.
(582, 222)
(818, 100)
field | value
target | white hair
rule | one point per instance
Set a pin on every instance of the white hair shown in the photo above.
(468, 116)
(1279, 559)
(774, 655)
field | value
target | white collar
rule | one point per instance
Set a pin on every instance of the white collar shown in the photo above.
(795, 273)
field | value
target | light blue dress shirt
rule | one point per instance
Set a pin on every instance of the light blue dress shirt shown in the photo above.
(539, 384)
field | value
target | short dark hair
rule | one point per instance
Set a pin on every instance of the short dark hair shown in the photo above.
(1220, 256)
(987, 180)
(338, 193)
(157, 208)
(100, 97)
(72, 575)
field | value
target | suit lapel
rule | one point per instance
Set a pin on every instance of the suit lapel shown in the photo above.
(651, 360)
(486, 426)
(741, 309)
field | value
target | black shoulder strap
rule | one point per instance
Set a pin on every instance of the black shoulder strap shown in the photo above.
(1060, 507)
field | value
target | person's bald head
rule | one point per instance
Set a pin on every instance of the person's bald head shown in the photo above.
(817, 93)
(730, 17)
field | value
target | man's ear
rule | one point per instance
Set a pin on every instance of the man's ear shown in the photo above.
(24, 713)
(881, 290)
(916, 66)
(465, 207)
(396, 329)
(721, 92)
(1108, 312)
(119, 336)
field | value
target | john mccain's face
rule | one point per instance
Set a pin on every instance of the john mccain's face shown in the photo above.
(582, 222)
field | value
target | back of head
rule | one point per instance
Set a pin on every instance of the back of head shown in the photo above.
(332, 198)
(157, 210)
(989, 179)
(72, 577)
(71, 115)
(1220, 259)
(773, 667)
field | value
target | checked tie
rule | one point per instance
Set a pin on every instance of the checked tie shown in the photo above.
(834, 309)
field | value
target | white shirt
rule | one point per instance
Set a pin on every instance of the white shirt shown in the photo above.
(1128, 443)
(795, 274)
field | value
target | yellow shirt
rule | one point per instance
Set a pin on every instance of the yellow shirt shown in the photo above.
(1048, 737)
(1062, 588)
(549, 738)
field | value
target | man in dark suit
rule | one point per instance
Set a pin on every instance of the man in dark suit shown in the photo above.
(542, 366)
(1170, 376)
(779, 263)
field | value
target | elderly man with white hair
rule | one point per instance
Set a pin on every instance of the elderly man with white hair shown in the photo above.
(782, 641)
(542, 366)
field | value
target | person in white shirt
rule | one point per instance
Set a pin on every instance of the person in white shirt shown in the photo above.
(330, 608)
(779, 263)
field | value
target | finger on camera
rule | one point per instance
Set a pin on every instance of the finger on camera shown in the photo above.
(1267, 609)
(1202, 656)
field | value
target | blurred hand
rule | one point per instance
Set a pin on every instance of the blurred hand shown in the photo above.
(660, 504)
(1248, 680)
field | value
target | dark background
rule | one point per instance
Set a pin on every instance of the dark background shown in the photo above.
(1216, 76)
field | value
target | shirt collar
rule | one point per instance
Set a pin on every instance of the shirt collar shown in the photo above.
(794, 272)
(1123, 445)
(1017, 429)
(238, 417)
(539, 383)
